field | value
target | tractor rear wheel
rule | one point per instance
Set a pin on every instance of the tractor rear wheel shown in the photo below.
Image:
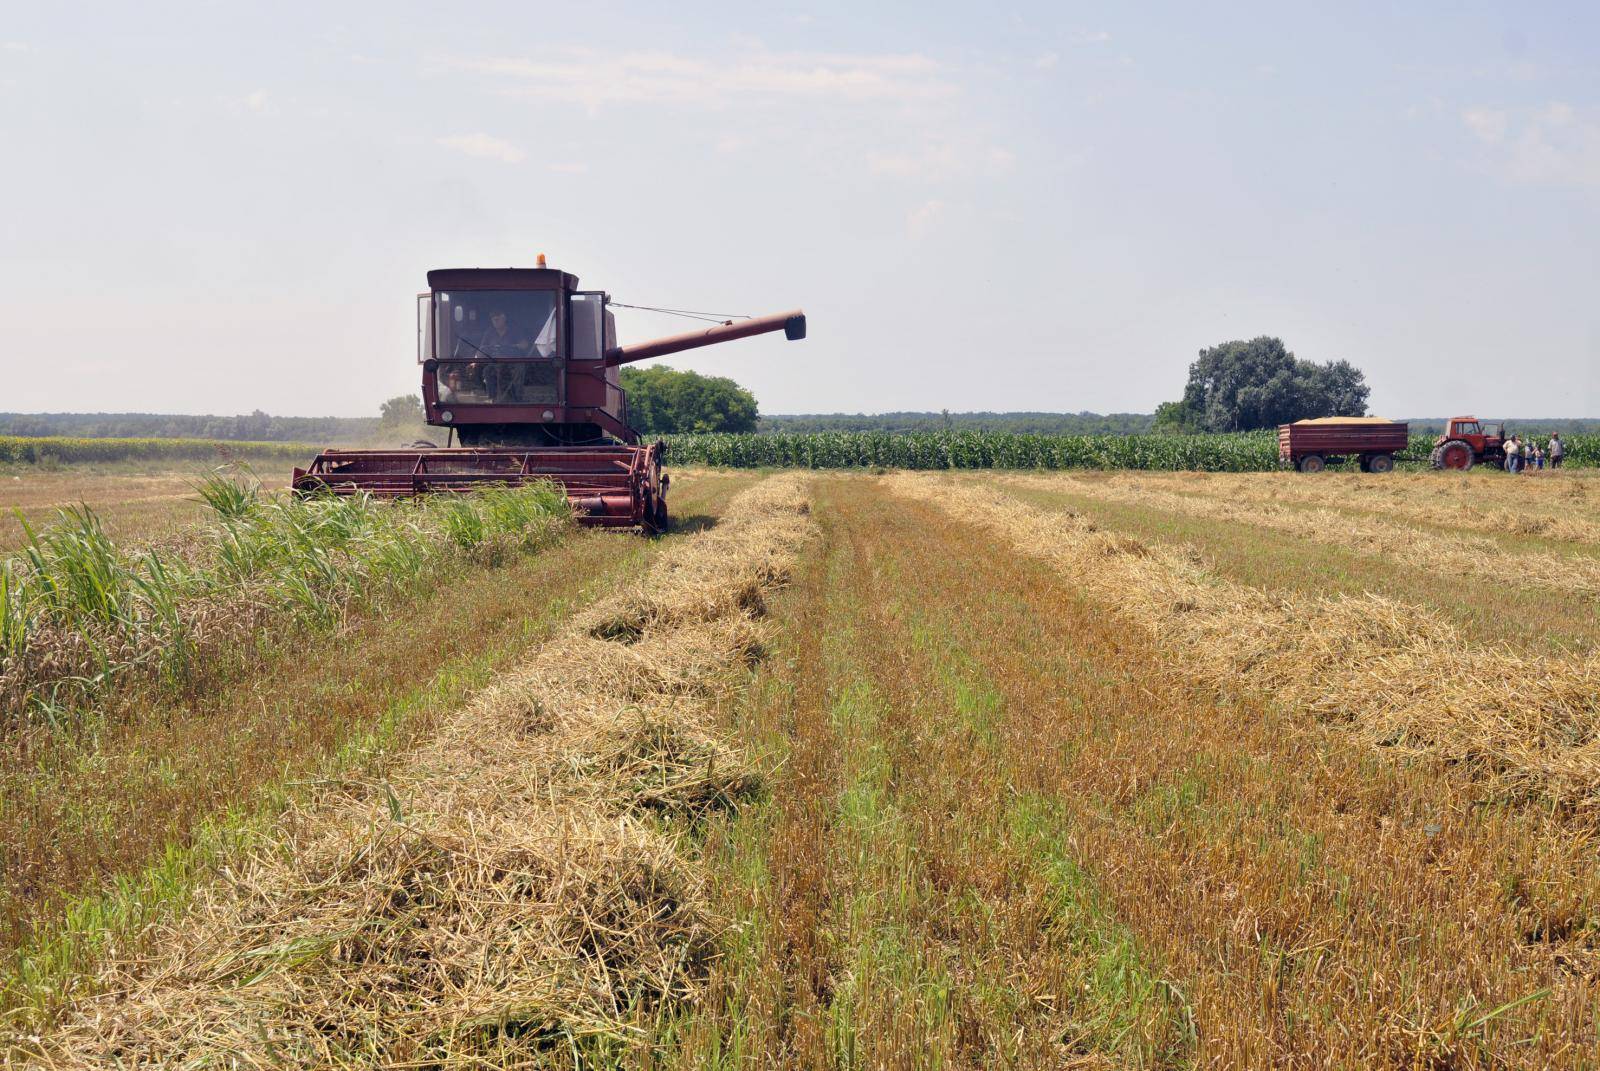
(1454, 454)
(1312, 463)
(1380, 463)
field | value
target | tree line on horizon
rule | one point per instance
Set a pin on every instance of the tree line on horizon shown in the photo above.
(1234, 386)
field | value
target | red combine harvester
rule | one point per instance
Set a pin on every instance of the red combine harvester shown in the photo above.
(521, 367)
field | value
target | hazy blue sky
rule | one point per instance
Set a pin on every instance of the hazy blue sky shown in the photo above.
(221, 207)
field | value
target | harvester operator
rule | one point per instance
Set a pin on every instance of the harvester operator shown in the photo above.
(502, 339)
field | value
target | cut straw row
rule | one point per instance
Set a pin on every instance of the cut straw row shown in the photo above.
(1475, 557)
(1398, 677)
(516, 893)
(1557, 508)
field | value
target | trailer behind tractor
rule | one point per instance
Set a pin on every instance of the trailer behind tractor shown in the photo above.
(1311, 445)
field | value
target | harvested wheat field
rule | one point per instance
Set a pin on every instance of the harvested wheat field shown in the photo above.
(519, 878)
(929, 770)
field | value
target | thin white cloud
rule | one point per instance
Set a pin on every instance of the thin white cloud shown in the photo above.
(255, 102)
(16, 46)
(1557, 144)
(484, 147)
(939, 160)
(1047, 60)
(575, 167)
(1558, 113)
(596, 78)
(1090, 37)
(943, 160)
(1489, 124)
(923, 218)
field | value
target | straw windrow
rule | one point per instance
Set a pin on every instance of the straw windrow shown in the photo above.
(1400, 677)
(512, 896)
(1554, 508)
(1477, 557)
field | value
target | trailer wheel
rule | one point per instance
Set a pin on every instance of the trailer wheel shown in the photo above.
(1454, 454)
(1380, 463)
(1312, 463)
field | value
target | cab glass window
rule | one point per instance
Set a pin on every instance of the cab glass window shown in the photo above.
(495, 324)
(586, 327)
(497, 382)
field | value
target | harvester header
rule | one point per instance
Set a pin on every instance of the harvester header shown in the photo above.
(519, 365)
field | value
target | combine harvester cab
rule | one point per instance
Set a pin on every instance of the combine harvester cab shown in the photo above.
(521, 367)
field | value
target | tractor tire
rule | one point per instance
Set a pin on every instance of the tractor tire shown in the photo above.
(659, 521)
(1312, 463)
(1454, 454)
(1380, 463)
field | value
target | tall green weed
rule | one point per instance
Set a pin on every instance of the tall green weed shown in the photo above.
(77, 611)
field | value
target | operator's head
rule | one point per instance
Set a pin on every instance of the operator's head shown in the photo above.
(497, 317)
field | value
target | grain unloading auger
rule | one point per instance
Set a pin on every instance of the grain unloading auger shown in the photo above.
(521, 367)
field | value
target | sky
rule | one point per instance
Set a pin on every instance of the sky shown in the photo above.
(227, 207)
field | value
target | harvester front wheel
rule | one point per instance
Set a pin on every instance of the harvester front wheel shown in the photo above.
(1312, 463)
(659, 521)
(1454, 454)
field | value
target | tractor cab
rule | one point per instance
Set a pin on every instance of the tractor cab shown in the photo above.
(1484, 435)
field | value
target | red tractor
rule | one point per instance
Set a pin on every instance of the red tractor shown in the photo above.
(521, 367)
(1467, 441)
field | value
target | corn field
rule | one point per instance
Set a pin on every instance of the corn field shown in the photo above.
(29, 450)
(1254, 451)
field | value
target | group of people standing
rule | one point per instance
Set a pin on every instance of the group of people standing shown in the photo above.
(1530, 457)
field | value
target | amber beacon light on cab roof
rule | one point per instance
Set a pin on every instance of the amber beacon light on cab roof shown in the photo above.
(521, 367)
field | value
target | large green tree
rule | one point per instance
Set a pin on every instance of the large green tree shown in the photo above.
(1237, 386)
(402, 409)
(664, 400)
